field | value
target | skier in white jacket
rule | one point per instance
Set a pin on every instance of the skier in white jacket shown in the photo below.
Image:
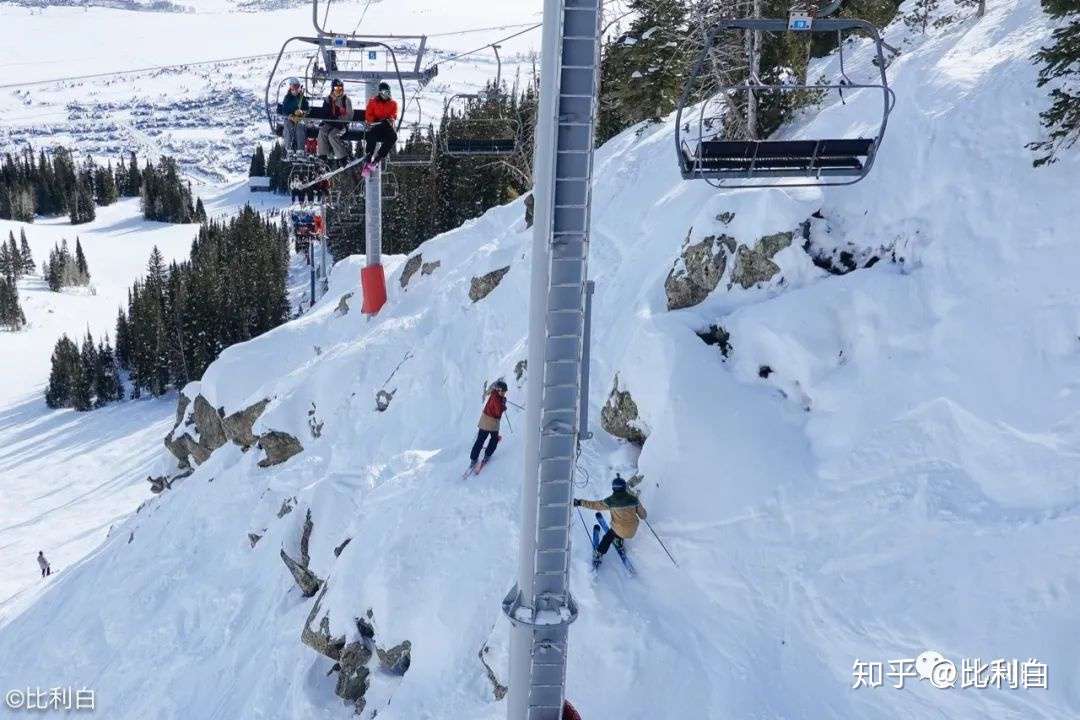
(46, 569)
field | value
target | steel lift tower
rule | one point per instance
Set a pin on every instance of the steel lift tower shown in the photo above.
(539, 605)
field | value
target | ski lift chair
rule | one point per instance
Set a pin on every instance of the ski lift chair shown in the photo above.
(418, 149)
(740, 163)
(478, 137)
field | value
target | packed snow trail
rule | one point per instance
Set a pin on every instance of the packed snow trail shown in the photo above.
(902, 479)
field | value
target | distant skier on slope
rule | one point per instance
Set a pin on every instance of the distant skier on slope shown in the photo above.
(46, 569)
(625, 509)
(380, 114)
(488, 426)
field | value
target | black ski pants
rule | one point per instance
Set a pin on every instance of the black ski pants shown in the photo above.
(605, 542)
(383, 135)
(481, 436)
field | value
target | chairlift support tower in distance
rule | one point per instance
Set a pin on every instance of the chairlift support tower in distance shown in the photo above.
(539, 605)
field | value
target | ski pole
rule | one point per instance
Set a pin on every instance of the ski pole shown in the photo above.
(648, 525)
(508, 424)
(519, 407)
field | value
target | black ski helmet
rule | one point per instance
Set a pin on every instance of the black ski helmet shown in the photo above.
(618, 484)
(384, 86)
(500, 385)
(337, 83)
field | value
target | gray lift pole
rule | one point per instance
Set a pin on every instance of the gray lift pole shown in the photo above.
(539, 605)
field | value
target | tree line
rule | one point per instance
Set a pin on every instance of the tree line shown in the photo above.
(52, 183)
(181, 316)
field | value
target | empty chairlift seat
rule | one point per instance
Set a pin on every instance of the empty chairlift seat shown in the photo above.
(480, 146)
(779, 158)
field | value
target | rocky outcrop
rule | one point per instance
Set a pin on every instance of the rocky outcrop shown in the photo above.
(208, 423)
(181, 409)
(308, 581)
(254, 538)
(520, 368)
(366, 625)
(530, 207)
(428, 268)
(697, 271)
(279, 447)
(305, 539)
(396, 660)
(755, 265)
(619, 416)
(482, 286)
(238, 426)
(286, 507)
(158, 484)
(321, 640)
(353, 675)
(411, 266)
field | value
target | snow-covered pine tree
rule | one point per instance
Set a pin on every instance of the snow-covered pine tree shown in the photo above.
(9, 264)
(1060, 62)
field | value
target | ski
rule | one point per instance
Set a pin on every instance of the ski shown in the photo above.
(597, 557)
(618, 546)
(332, 173)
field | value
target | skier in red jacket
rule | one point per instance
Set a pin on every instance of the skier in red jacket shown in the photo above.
(380, 114)
(489, 425)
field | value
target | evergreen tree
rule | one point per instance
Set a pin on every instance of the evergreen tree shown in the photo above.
(133, 181)
(11, 313)
(122, 357)
(81, 268)
(107, 386)
(66, 365)
(81, 202)
(258, 163)
(10, 265)
(105, 192)
(200, 211)
(1060, 62)
(29, 267)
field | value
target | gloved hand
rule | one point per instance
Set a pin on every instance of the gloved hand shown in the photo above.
(577, 503)
(297, 116)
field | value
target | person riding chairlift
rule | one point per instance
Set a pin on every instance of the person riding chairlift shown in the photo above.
(380, 136)
(332, 148)
(294, 107)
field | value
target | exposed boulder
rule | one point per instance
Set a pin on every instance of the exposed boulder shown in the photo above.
(279, 447)
(520, 368)
(383, 398)
(366, 625)
(286, 506)
(179, 450)
(190, 449)
(315, 425)
(308, 581)
(530, 209)
(238, 426)
(697, 271)
(321, 640)
(755, 265)
(158, 484)
(343, 305)
(483, 285)
(498, 689)
(717, 335)
(411, 266)
(254, 538)
(208, 423)
(619, 416)
(338, 550)
(397, 659)
(305, 538)
(181, 409)
(353, 674)
(428, 268)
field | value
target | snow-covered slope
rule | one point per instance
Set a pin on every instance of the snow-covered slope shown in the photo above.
(903, 479)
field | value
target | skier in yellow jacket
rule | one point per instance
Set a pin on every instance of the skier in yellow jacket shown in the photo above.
(625, 511)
